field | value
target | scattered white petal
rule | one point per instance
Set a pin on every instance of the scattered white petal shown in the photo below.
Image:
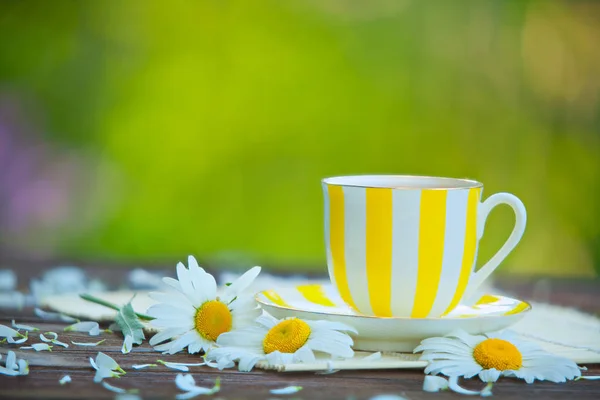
(588, 377)
(54, 340)
(23, 367)
(143, 366)
(24, 327)
(11, 360)
(5, 331)
(127, 344)
(179, 366)
(286, 390)
(43, 337)
(8, 279)
(53, 316)
(118, 389)
(434, 383)
(106, 367)
(8, 371)
(187, 384)
(91, 327)
(38, 347)
(11, 340)
(372, 357)
(65, 379)
(91, 344)
(59, 343)
(388, 397)
(127, 396)
(455, 387)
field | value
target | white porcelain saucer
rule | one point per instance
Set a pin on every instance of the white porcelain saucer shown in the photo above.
(321, 301)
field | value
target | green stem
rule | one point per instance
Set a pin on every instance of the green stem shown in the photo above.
(105, 303)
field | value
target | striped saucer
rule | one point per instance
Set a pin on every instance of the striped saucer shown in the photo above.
(321, 301)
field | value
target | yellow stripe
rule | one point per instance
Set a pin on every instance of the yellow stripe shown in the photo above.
(275, 298)
(469, 249)
(336, 242)
(379, 250)
(518, 309)
(487, 299)
(432, 224)
(315, 294)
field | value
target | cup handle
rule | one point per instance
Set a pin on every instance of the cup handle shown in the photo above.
(485, 208)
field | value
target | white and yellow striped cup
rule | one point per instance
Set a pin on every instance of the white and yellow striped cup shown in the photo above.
(406, 246)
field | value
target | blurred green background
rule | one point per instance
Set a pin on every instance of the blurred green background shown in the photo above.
(149, 130)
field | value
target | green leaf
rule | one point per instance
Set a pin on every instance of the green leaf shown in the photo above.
(130, 324)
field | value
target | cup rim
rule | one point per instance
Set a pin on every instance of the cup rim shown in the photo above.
(459, 183)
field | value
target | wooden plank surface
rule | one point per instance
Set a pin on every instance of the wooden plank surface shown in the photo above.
(46, 368)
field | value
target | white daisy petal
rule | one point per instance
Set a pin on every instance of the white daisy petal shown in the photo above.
(173, 283)
(92, 344)
(251, 336)
(167, 334)
(455, 387)
(11, 360)
(241, 284)
(91, 327)
(179, 366)
(115, 389)
(305, 355)
(433, 383)
(267, 321)
(106, 367)
(187, 384)
(446, 345)
(11, 340)
(470, 340)
(23, 367)
(43, 337)
(65, 379)
(286, 390)
(38, 347)
(143, 366)
(127, 344)
(183, 341)
(489, 375)
(184, 278)
(24, 327)
(8, 371)
(5, 331)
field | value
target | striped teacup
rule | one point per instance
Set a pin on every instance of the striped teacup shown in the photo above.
(405, 246)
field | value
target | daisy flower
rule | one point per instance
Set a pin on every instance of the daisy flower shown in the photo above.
(191, 314)
(284, 341)
(493, 355)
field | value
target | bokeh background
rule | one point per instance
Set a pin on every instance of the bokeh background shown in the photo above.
(149, 130)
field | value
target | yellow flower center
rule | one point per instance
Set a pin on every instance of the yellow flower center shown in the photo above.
(287, 336)
(499, 354)
(212, 319)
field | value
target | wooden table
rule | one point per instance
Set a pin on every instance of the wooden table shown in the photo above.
(47, 368)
